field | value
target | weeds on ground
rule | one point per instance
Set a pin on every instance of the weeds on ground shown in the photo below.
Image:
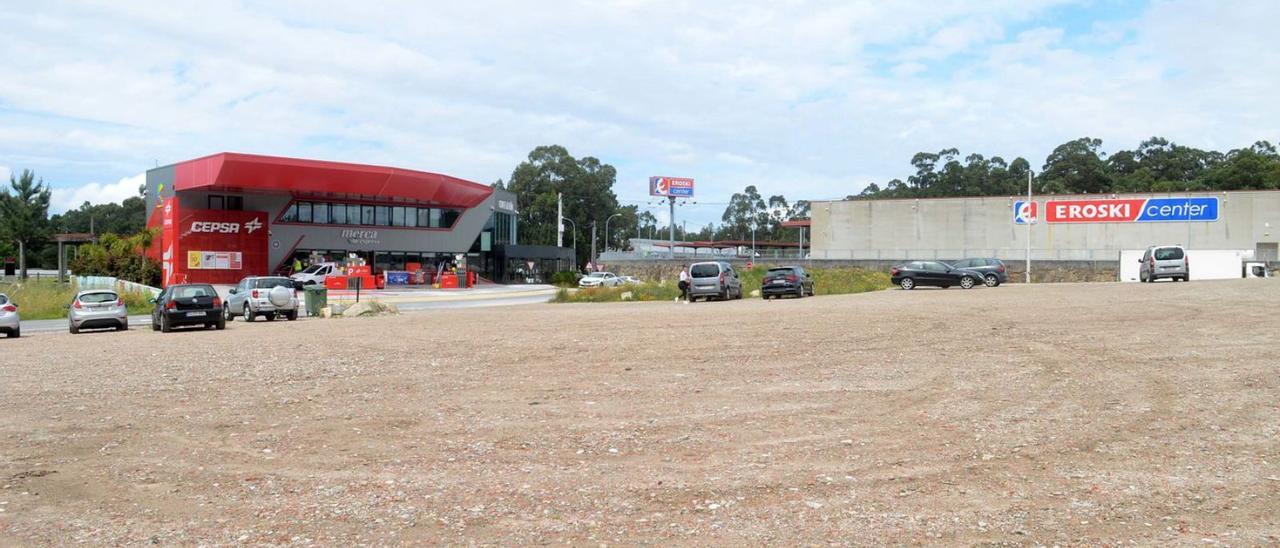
(647, 291)
(826, 281)
(39, 300)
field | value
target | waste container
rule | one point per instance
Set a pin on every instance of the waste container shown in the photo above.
(317, 297)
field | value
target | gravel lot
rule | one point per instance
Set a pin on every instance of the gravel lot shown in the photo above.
(1052, 414)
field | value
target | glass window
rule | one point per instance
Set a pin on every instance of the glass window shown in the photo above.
(1168, 253)
(448, 217)
(397, 216)
(366, 215)
(304, 212)
(338, 214)
(98, 298)
(383, 215)
(424, 217)
(215, 202)
(320, 214)
(434, 218)
(411, 216)
(235, 203)
(290, 214)
(353, 214)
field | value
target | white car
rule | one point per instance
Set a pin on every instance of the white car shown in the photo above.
(10, 323)
(315, 274)
(629, 280)
(600, 279)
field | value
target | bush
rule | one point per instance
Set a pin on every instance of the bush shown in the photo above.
(826, 281)
(49, 300)
(648, 291)
(565, 279)
(119, 257)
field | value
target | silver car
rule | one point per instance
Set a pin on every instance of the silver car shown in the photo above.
(269, 296)
(10, 323)
(715, 279)
(1164, 261)
(97, 309)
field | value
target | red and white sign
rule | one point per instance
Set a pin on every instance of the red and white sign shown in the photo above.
(1093, 211)
(219, 246)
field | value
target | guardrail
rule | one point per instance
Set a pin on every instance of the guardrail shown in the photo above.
(108, 282)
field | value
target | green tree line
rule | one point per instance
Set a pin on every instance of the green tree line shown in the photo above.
(1081, 167)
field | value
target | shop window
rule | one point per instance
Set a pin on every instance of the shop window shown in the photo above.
(448, 217)
(435, 218)
(215, 202)
(338, 214)
(290, 214)
(397, 216)
(304, 212)
(424, 217)
(235, 203)
(411, 217)
(320, 214)
(366, 215)
(383, 215)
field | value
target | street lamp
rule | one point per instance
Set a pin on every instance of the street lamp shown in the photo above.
(606, 230)
(575, 235)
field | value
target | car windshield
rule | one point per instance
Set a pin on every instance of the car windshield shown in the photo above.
(268, 283)
(94, 298)
(704, 271)
(595, 275)
(1168, 253)
(193, 291)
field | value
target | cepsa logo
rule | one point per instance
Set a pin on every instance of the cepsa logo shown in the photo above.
(215, 227)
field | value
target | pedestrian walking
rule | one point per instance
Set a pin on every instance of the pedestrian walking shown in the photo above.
(684, 283)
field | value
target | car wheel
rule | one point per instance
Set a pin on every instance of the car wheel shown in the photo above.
(991, 280)
(271, 317)
(907, 283)
(226, 313)
(222, 324)
(74, 330)
(164, 324)
(967, 282)
(123, 327)
(16, 333)
(291, 315)
(248, 313)
(155, 326)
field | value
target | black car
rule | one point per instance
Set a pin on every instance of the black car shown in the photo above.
(786, 280)
(934, 273)
(993, 271)
(187, 304)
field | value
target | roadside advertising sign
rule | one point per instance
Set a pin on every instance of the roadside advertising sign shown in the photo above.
(1131, 210)
(1024, 212)
(680, 187)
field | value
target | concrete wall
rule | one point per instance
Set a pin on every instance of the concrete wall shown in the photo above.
(952, 228)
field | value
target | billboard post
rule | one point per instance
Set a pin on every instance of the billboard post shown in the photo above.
(671, 188)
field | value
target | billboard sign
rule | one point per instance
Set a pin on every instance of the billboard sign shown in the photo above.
(1024, 212)
(679, 187)
(1136, 210)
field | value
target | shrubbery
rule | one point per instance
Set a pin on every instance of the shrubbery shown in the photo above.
(121, 257)
(565, 279)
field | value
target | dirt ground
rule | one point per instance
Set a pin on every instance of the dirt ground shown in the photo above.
(1074, 414)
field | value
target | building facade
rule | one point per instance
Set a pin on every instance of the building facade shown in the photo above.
(226, 216)
(1067, 228)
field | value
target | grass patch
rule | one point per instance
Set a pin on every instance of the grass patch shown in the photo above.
(49, 300)
(826, 281)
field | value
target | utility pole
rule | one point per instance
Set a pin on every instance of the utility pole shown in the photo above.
(671, 200)
(594, 258)
(559, 219)
(1029, 219)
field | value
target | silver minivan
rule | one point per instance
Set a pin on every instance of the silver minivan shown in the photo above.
(714, 279)
(1164, 261)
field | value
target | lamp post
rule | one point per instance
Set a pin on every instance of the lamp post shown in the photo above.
(606, 230)
(575, 235)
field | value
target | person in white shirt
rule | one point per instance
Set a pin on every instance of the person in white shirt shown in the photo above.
(684, 283)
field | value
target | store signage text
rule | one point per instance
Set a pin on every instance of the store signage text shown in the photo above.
(358, 236)
(1137, 210)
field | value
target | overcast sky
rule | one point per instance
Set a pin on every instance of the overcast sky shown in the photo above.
(811, 100)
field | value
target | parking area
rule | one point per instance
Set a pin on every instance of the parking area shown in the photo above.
(1046, 414)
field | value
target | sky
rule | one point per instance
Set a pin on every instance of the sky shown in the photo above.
(810, 100)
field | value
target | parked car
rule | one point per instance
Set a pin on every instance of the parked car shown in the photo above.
(993, 271)
(97, 309)
(600, 279)
(935, 273)
(714, 279)
(1165, 261)
(786, 280)
(10, 323)
(269, 296)
(187, 304)
(315, 274)
(630, 280)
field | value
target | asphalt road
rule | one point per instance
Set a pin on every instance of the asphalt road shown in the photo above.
(30, 327)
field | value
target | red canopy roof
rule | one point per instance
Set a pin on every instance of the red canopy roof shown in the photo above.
(251, 172)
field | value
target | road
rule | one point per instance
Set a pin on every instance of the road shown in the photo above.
(31, 327)
(1056, 414)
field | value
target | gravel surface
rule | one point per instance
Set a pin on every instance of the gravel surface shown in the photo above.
(1051, 414)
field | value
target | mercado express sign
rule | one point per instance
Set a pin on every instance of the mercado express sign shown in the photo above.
(1135, 210)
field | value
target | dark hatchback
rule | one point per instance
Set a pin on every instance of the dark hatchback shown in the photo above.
(935, 273)
(187, 304)
(993, 270)
(786, 280)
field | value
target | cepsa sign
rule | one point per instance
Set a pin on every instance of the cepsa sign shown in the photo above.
(679, 187)
(1137, 210)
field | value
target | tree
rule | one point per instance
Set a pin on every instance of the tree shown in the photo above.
(587, 186)
(24, 214)
(746, 209)
(121, 257)
(1075, 167)
(127, 217)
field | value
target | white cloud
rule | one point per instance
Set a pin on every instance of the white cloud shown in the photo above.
(810, 99)
(71, 197)
(4, 175)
